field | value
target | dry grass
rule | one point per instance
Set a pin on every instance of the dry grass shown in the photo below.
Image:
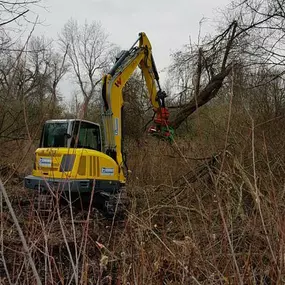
(224, 226)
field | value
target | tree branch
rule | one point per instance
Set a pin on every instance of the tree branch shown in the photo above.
(15, 18)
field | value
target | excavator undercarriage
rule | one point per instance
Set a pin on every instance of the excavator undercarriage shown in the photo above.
(110, 205)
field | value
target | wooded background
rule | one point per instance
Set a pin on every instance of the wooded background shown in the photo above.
(208, 209)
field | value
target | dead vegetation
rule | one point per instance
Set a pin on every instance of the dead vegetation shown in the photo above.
(194, 218)
(208, 209)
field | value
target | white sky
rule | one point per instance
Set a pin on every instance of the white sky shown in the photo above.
(169, 24)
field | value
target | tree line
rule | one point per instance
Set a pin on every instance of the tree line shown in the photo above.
(245, 55)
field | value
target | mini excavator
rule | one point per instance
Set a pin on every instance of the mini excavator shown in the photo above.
(72, 157)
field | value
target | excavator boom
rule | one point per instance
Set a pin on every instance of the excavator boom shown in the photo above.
(113, 82)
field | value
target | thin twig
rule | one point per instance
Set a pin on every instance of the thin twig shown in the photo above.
(20, 232)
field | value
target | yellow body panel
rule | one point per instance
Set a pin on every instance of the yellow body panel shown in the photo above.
(86, 164)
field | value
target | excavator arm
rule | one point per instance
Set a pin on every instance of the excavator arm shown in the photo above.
(113, 82)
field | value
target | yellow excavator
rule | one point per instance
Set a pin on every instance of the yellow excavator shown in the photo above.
(75, 158)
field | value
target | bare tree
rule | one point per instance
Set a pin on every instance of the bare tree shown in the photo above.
(51, 64)
(213, 62)
(16, 11)
(87, 51)
(59, 68)
(253, 39)
(29, 85)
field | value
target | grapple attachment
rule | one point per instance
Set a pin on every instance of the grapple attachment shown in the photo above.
(161, 127)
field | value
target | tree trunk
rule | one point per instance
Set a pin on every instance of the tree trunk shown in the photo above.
(204, 96)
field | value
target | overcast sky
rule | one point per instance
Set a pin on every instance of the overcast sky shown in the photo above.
(168, 23)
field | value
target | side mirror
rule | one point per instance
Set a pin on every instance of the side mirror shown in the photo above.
(68, 136)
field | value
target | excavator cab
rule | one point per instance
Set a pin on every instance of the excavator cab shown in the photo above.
(70, 160)
(71, 134)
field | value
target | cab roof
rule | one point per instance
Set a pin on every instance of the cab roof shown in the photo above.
(69, 121)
